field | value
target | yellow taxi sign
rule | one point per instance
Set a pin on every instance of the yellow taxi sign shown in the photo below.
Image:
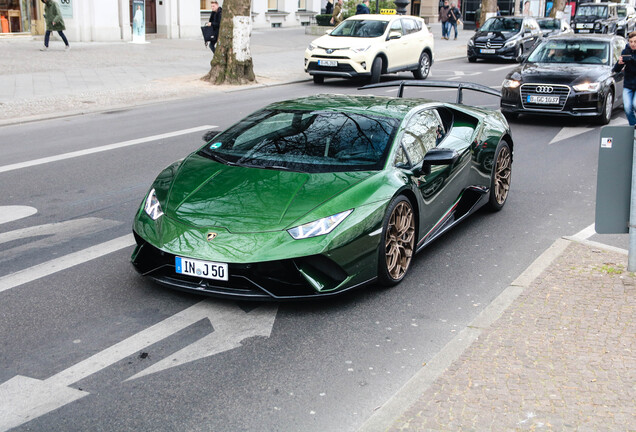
(388, 11)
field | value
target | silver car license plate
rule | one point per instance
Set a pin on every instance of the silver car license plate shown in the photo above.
(330, 63)
(546, 100)
(203, 269)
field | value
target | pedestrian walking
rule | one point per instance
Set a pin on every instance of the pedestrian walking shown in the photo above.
(443, 18)
(54, 22)
(627, 60)
(215, 22)
(454, 16)
(336, 16)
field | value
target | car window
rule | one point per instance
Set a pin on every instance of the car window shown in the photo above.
(563, 51)
(360, 28)
(595, 10)
(502, 24)
(409, 26)
(423, 132)
(396, 26)
(307, 141)
(549, 24)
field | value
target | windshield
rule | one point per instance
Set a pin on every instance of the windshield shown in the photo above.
(621, 11)
(502, 25)
(305, 141)
(550, 24)
(585, 52)
(360, 28)
(592, 10)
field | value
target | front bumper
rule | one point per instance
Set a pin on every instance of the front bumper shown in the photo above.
(572, 104)
(503, 53)
(348, 64)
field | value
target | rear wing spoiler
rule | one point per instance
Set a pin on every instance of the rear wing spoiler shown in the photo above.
(460, 86)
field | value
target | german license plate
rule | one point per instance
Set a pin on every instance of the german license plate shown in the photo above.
(204, 269)
(487, 51)
(330, 63)
(584, 31)
(543, 99)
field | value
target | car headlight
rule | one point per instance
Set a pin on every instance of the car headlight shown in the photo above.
(311, 47)
(320, 227)
(471, 42)
(360, 49)
(591, 87)
(510, 43)
(597, 25)
(510, 83)
(152, 206)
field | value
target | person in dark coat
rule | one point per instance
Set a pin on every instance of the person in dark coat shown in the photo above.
(454, 16)
(215, 22)
(54, 22)
(329, 7)
(363, 8)
(443, 18)
(627, 60)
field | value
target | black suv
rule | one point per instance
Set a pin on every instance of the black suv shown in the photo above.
(504, 38)
(595, 18)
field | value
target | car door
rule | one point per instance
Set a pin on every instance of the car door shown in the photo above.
(397, 46)
(425, 133)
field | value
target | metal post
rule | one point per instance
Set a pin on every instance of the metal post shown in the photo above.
(631, 255)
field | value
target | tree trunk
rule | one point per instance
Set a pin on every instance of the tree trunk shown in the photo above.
(557, 9)
(232, 62)
(488, 9)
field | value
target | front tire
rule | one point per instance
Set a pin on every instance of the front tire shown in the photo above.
(500, 177)
(424, 67)
(397, 245)
(472, 59)
(319, 79)
(376, 70)
(608, 107)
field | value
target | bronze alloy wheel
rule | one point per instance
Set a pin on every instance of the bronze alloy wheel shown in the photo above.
(502, 175)
(400, 240)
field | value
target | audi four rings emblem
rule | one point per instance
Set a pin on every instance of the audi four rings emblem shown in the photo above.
(544, 89)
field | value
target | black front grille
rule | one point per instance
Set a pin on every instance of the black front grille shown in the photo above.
(342, 67)
(495, 45)
(265, 280)
(329, 57)
(550, 90)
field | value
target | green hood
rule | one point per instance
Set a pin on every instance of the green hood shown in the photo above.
(205, 193)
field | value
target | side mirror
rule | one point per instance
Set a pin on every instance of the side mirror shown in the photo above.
(521, 58)
(394, 35)
(435, 157)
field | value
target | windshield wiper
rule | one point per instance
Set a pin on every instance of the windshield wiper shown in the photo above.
(219, 159)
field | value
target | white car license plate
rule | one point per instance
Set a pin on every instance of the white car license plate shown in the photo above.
(543, 99)
(487, 50)
(330, 63)
(204, 269)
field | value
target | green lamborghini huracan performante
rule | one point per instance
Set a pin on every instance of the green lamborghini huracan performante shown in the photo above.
(315, 196)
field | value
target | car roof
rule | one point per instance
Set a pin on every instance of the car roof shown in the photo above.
(380, 105)
(578, 37)
(379, 17)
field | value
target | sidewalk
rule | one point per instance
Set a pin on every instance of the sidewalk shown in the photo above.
(95, 76)
(555, 351)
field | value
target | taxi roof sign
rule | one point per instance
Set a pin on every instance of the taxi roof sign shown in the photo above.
(388, 11)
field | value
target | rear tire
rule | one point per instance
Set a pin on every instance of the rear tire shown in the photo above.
(376, 70)
(500, 177)
(397, 245)
(319, 79)
(423, 67)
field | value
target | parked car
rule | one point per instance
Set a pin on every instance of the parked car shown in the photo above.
(626, 19)
(569, 75)
(595, 18)
(504, 38)
(554, 26)
(315, 196)
(370, 46)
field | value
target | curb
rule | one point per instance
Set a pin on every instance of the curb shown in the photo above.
(386, 415)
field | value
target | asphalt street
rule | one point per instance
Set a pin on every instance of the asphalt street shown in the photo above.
(104, 349)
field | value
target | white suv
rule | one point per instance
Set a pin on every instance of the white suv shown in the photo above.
(372, 45)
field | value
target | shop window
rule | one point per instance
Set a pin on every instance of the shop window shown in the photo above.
(272, 5)
(302, 5)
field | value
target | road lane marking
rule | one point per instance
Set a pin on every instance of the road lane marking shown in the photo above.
(108, 147)
(50, 267)
(503, 68)
(585, 233)
(13, 213)
(569, 132)
(23, 398)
